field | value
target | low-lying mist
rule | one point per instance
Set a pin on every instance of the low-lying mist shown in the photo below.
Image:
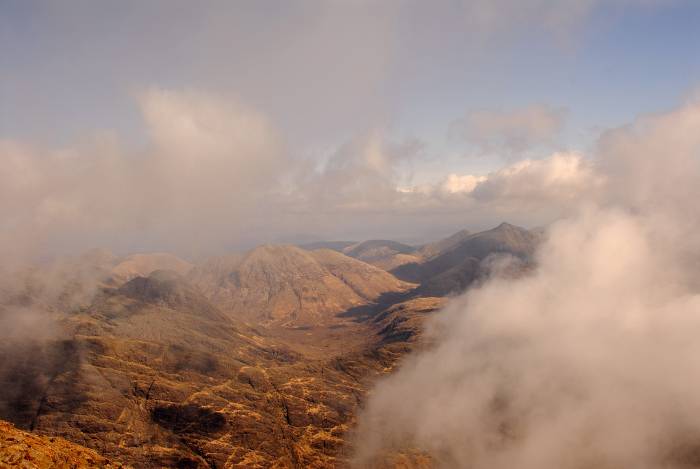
(590, 361)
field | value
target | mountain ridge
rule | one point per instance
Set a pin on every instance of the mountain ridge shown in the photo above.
(285, 284)
(258, 359)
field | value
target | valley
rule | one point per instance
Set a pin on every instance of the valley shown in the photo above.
(253, 360)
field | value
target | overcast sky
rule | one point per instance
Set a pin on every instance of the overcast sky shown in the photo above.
(202, 126)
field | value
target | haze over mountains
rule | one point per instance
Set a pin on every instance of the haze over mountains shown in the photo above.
(252, 360)
(314, 224)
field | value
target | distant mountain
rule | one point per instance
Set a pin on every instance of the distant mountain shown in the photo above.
(382, 253)
(334, 245)
(431, 250)
(140, 265)
(290, 286)
(169, 289)
(376, 248)
(455, 262)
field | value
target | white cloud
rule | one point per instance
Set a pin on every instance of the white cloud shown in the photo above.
(456, 183)
(591, 360)
(562, 177)
(216, 173)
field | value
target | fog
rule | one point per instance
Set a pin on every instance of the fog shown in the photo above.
(592, 360)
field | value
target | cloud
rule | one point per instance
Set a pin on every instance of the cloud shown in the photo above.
(590, 361)
(531, 191)
(360, 175)
(208, 163)
(455, 183)
(564, 177)
(510, 132)
(216, 175)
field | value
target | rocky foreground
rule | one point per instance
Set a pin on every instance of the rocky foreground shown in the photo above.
(28, 451)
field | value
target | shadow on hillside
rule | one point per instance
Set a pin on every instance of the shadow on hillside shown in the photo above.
(386, 300)
(38, 378)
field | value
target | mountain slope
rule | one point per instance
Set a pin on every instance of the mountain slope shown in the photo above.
(154, 374)
(459, 262)
(25, 450)
(431, 250)
(289, 286)
(162, 370)
(151, 372)
(142, 265)
(382, 253)
(334, 245)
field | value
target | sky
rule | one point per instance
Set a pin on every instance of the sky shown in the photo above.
(232, 123)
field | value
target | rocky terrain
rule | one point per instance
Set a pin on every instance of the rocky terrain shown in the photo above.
(290, 286)
(253, 360)
(27, 451)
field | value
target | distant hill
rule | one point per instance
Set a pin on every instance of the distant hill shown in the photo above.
(334, 245)
(376, 248)
(382, 253)
(454, 263)
(290, 286)
(139, 265)
(431, 250)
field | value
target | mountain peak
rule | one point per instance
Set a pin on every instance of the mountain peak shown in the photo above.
(143, 264)
(288, 285)
(507, 226)
(161, 285)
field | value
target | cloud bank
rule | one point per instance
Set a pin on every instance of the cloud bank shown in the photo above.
(592, 360)
(216, 174)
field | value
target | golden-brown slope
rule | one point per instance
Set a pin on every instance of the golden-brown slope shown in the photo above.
(159, 377)
(24, 450)
(286, 285)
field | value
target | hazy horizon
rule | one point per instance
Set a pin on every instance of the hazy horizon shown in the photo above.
(199, 129)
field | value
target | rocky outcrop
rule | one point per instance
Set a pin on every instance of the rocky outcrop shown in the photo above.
(28, 451)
